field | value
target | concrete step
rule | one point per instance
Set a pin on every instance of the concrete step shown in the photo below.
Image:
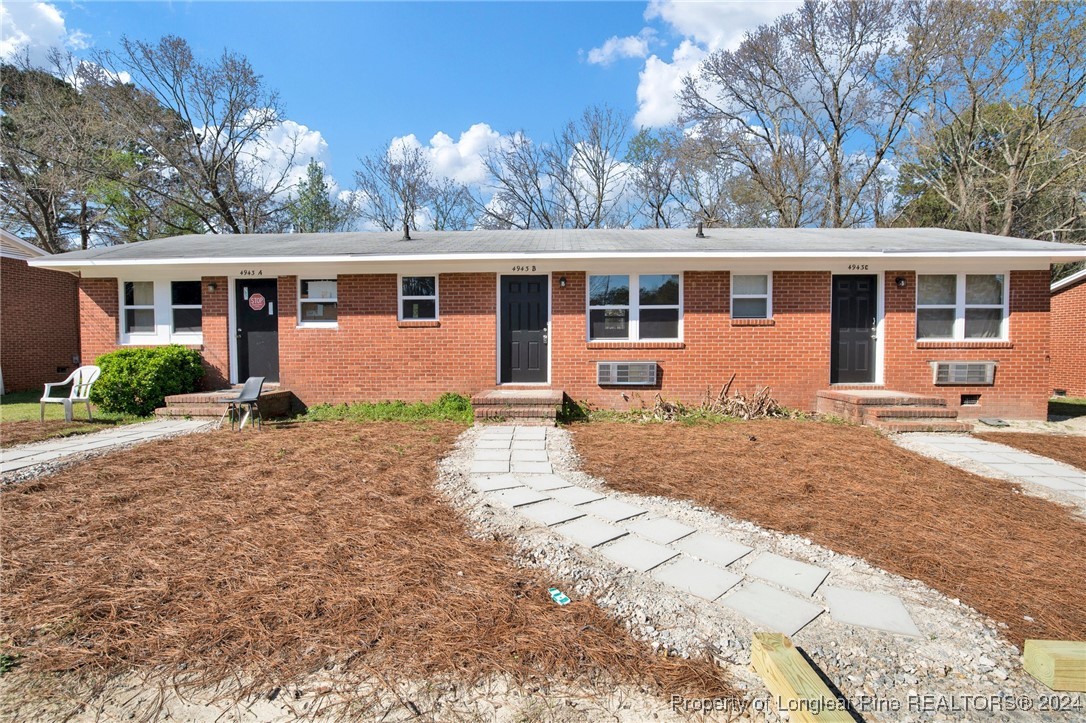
(192, 410)
(920, 425)
(515, 412)
(518, 398)
(908, 412)
(879, 398)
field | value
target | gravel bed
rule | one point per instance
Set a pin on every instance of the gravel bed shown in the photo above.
(960, 655)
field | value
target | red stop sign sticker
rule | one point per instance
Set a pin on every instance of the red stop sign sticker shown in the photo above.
(257, 302)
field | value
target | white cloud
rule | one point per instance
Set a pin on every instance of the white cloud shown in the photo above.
(615, 48)
(704, 27)
(462, 159)
(34, 29)
(285, 150)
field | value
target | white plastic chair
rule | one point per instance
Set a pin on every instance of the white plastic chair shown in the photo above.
(81, 380)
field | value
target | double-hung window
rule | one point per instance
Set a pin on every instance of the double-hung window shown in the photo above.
(631, 307)
(317, 305)
(139, 307)
(752, 296)
(186, 307)
(418, 298)
(961, 306)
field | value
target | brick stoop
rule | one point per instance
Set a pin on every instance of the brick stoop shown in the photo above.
(273, 403)
(524, 406)
(891, 411)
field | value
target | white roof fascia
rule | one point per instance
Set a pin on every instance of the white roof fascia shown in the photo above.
(1069, 280)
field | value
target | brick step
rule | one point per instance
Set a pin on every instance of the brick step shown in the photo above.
(192, 410)
(920, 425)
(516, 412)
(879, 398)
(518, 398)
(908, 412)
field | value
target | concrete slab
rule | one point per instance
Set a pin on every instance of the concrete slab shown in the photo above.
(660, 529)
(531, 467)
(492, 455)
(489, 467)
(530, 455)
(497, 433)
(544, 482)
(697, 578)
(517, 497)
(767, 606)
(496, 443)
(493, 483)
(550, 512)
(574, 495)
(613, 510)
(870, 610)
(636, 553)
(529, 444)
(712, 548)
(1061, 484)
(589, 531)
(535, 433)
(786, 572)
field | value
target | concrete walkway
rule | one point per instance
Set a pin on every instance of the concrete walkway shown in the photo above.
(512, 468)
(53, 451)
(991, 459)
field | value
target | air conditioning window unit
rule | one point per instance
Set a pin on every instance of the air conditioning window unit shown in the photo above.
(626, 373)
(964, 373)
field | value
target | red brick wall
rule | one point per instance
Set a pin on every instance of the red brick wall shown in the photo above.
(1021, 378)
(216, 347)
(791, 353)
(39, 325)
(1068, 328)
(98, 317)
(373, 357)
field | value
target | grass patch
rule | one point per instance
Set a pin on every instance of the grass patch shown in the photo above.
(856, 492)
(20, 419)
(1066, 407)
(251, 561)
(448, 408)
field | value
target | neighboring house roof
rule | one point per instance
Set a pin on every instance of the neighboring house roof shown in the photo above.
(1069, 281)
(13, 247)
(564, 244)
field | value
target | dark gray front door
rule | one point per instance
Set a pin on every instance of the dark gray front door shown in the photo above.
(257, 328)
(523, 329)
(852, 357)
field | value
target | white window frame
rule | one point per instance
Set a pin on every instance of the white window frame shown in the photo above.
(173, 306)
(960, 307)
(334, 300)
(400, 298)
(163, 310)
(768, 295)
(125, 307)
(634, 307)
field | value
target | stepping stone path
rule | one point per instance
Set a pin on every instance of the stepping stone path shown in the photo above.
(511, 468)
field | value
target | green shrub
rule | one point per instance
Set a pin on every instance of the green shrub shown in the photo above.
(137, 380)
(449, 407)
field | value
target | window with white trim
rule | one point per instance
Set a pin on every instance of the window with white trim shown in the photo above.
(418, 298)
(653, 313)
(961, 306)
(752, 296)
(186, 307)
(317, 303)
(139, 307)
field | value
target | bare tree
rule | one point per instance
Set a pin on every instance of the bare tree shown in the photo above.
(586, 163)
(654, 173)
(523, 196)
(452, 207)
(817, 100)
(393, 185)
(210, 125)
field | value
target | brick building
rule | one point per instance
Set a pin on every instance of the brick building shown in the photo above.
(39, 318)
(610, 317)
(1068, 335)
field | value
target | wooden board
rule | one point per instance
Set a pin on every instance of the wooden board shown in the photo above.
(1059, 664)
(792, 680)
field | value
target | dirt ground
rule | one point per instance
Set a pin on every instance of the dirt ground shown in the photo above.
(1009, 555)
(265, 557)
(1070, 449)
(15, 433)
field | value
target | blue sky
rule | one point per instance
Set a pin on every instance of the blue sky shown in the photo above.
(356, 75)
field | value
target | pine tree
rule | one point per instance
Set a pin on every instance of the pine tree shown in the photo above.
(313, 210)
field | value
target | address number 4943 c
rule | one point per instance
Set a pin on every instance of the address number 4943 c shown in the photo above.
(857, 267)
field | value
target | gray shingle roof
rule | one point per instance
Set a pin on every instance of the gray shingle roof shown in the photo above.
(604, 242)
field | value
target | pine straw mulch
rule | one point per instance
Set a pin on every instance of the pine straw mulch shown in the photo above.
(254, 559)
(1007, 554)
(1065, 448)
(15, 433)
